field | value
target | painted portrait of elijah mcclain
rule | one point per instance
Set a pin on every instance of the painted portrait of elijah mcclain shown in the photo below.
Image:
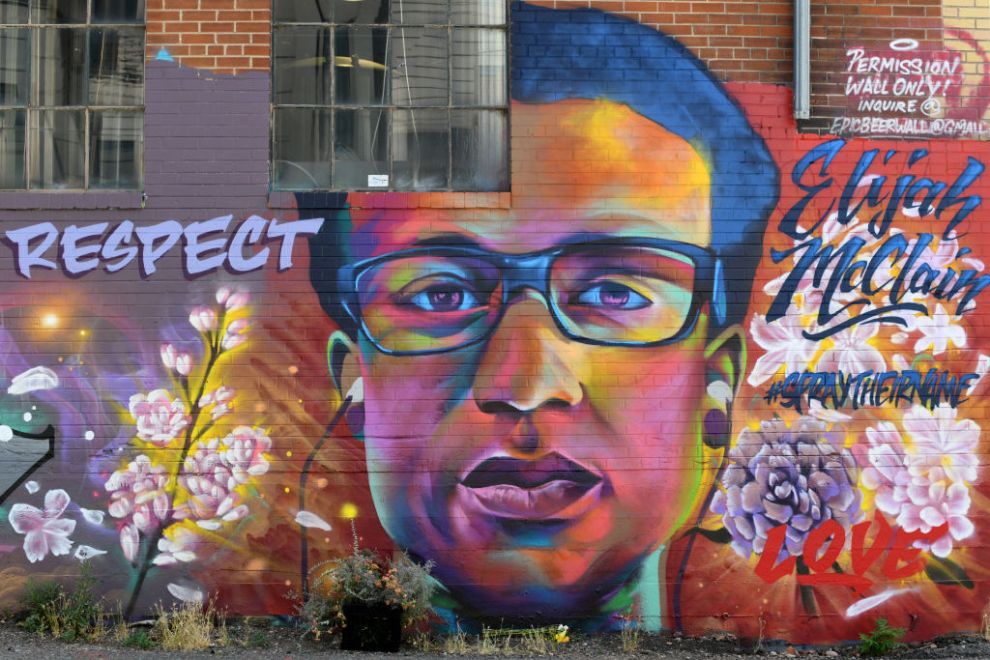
(545, 390)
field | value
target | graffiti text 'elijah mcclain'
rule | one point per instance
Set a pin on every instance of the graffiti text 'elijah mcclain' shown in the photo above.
(847, 269)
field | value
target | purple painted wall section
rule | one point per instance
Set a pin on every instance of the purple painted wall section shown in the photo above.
(206, 146)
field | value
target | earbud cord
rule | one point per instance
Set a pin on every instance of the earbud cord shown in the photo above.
(303, 477)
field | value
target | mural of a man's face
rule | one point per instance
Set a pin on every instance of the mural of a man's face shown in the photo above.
(536, 470)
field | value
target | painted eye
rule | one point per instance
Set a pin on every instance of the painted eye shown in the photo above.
(445, 298)
(612, 295)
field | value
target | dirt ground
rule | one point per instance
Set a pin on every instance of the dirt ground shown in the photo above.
(266, 640)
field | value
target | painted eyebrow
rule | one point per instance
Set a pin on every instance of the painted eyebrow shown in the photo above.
(447, 240)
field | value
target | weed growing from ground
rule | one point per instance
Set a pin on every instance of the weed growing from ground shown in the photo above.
(79, 615)
(881, 640)
(190, 627)
(139, 639)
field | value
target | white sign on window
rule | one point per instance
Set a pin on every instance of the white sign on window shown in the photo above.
(378, 181)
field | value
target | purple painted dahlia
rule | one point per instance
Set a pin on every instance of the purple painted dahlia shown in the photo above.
(798, 476)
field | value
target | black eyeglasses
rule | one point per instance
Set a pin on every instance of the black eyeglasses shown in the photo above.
(611, 292)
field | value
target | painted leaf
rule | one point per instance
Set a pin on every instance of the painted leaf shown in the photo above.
(948, 573)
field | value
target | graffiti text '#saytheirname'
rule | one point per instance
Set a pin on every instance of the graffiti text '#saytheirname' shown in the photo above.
(206, 246)
(844, 269)
(835, 388)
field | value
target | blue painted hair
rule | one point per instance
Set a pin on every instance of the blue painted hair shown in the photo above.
(589, 54)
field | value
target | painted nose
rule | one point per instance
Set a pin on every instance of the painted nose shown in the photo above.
(528, 364)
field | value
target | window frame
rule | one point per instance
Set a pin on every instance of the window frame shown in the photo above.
(390, 108)
(34, 109)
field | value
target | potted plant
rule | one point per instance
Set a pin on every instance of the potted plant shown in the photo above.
(369, 598)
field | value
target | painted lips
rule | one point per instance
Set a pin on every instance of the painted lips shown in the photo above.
(540, 489)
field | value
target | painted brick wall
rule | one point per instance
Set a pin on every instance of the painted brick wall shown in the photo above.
(557, 469)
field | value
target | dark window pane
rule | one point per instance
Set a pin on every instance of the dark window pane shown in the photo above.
(419, 149)
(366, 12)
(116, 67)
(303, 11)
(359, 65)
(61, 67)
(13, 11)
(477, 12)
(116, 142)
(118, 11)
(478, 149)
(419, 12)
(302, 149)
(57, 149)
(302, 74)
(478, 67)
(15, 51)
(419, 61)
(360, 147)
(12, 148)
(59, 11)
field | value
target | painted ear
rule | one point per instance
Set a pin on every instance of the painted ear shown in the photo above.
(342, 360)
(345, 370)
(725, 358)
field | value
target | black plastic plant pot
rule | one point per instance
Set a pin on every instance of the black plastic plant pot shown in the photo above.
(371, 627)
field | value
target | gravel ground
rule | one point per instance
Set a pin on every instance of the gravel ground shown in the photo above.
(252, 642)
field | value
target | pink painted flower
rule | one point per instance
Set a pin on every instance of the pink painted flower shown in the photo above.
(940, 441)
(159, 417)
(851, 352)
(232, 300)
(235, 334)
(209, 484)
(221, 399)
(784, 344)
(138, 494)
(44, 530)
(938, 330)
(203, 319)
(245, 451)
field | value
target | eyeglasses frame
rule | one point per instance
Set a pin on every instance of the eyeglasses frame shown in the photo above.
(708, 285)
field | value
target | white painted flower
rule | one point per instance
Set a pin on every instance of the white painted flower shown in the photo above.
(887, 474)
(784, 345)
(130, 542)
(183, 363)
(244, 451)
(235, 335)
(938, 330)
(942, 505)
(168, 353)
(221, 399)
(210, 485)
(44, 530)
(851, 351)
(942, 441)
(176, 546)
(159, 418)
(203, 319)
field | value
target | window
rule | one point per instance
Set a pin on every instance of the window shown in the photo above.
(71, 94)
(397, 95)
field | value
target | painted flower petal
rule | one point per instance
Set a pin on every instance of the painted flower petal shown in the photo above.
(310, 519)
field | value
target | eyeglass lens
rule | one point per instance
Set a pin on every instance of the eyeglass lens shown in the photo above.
(615, 294)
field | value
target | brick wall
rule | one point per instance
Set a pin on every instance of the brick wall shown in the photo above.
(224, 36)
